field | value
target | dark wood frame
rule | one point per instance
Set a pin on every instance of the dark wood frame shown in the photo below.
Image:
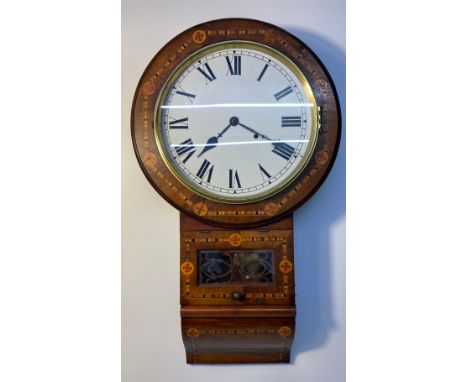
(175, 192)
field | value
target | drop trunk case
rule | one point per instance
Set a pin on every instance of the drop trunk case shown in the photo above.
(237, 292)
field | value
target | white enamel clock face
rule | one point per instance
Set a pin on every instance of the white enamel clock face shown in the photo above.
(237, 122)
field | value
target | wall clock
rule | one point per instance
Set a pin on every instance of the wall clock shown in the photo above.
(236, 123)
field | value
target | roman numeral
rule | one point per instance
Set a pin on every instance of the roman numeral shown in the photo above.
(262, 72)
(203, 169)
(179, 123)
(188, 95)
(185, 148)
(234, 65)
(210, 75)
(283, 150)
(283, 93)
(291, 121)
(264, 172)
(234, 176)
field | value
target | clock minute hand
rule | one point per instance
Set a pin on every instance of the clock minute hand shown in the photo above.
(281, 148)
(255, 132)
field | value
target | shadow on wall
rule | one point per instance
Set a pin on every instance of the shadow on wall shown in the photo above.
(314, 220)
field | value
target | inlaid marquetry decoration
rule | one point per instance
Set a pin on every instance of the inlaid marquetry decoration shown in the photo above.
(199, 36)
(187, 268)
(149, 88)
(284, 331)
(271, 209)
(150, 161)
(321, 157)
(193, 332)
(236, 123)
(235, 240)
(285, 266)
(200, 209)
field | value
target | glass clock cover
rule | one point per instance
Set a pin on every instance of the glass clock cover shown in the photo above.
(236, 122)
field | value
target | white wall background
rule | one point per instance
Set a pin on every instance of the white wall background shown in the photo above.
(152, 348)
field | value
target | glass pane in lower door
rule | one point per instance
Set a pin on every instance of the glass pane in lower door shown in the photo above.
(221, 267)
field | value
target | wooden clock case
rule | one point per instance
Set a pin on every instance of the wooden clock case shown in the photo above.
(240, 320)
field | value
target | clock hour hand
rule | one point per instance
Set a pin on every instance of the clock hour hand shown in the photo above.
(212, 142)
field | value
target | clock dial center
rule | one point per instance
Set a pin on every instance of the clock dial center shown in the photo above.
(234, 121)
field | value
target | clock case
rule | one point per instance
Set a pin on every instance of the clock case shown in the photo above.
(236, 320)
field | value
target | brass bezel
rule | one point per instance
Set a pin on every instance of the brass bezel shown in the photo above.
(234, 44)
